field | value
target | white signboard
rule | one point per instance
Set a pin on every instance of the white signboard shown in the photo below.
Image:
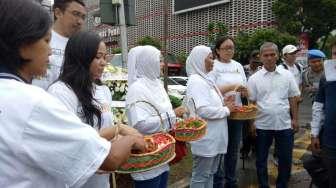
(330, 70)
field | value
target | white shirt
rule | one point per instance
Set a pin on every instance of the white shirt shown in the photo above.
(317, 118)
(147, 87)
(210, 107)
(228, 74)
(57, 44)
(295, 71)
(145, 119)
(271, 91)
(70, 100)
(42, 144)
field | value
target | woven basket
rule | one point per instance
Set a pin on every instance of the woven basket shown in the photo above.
(187, 131)
(154, 159)
(147, 161)
(249, 112)
(186, 134)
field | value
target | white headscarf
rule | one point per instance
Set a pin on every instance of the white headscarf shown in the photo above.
(195, 63)
(131, 61)
(148, 86)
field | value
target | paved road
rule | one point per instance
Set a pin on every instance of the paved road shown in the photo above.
(299, 179)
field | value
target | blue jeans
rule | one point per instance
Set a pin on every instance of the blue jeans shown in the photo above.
(157, 182)
(228, 164)
(284, 141)
(203, 170)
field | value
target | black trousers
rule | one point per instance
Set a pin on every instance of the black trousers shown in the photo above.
(329, 160)
(317, 170)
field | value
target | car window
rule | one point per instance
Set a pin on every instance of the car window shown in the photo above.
(116, 60)
(181, 81)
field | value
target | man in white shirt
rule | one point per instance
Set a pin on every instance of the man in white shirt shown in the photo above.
(289, 57)
(69, 16)
(274, 91)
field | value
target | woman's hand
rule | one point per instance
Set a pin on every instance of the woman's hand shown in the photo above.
(139, 143)
(111, 132)
(127, 130)
(227, 88)
(230, 103)
(243, 90)
(179, 111)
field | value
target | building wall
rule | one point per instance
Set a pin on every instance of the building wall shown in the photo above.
(189, 29)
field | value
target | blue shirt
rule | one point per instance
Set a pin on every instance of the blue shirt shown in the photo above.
(327, 96)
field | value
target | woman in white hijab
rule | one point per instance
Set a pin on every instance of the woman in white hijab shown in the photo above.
(209, 105)
(147, 86)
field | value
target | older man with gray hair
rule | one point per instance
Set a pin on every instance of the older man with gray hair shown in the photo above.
(274, 91)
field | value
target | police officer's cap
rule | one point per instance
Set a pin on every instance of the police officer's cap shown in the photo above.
(315, 54)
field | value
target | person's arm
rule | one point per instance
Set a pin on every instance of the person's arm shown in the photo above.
(317, 116)
(227, 88)
(253, 93)
(179, 111)
(293, 94)
(252, 126)
(56, 141)
(121, 150)
(110, 132)
(210, 112)
(147, 123)
(300, 98)
(293, 105)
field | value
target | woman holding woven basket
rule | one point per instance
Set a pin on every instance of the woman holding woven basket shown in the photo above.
(204, 96)
(79, 88)
(230, 74)
(146, 102)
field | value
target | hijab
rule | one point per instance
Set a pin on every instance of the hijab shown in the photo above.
(131, 61)
(147, 85)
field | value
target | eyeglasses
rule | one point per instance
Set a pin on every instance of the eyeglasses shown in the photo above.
(77, 15)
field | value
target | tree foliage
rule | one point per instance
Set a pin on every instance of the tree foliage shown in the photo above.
(182, 58)
(116, 50)
(317, 18)
(246, 43)
(326, 44)
(147, 40)
(216, 30)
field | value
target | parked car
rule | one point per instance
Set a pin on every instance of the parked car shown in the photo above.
(175, 88)
(182, 80)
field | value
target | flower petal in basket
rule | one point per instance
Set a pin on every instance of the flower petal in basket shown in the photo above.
(147, 161)
(244, 113)
(190, 129)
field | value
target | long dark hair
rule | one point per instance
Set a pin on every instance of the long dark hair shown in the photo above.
(22, 22)
(80, 51)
